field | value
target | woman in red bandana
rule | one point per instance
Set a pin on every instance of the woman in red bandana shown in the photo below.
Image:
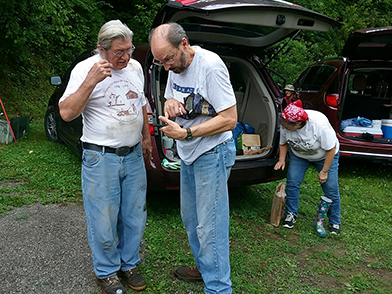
(309, 138)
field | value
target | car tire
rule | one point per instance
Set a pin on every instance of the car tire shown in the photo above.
(51, 125)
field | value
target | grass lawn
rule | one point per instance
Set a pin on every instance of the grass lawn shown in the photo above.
(264, 259)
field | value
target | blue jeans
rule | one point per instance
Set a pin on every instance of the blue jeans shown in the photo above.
(114, 194)
(295, 176)
(205, 213)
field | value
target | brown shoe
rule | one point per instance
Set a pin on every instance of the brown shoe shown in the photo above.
(188, 273)
(133, 279)
(110, 285)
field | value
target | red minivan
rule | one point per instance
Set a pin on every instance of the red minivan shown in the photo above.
(237, 30)
(355, 93)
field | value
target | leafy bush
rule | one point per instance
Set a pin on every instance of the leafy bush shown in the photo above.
(41, 38)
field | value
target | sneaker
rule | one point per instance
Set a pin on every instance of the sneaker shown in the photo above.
(334, 229)
(188, 273)
(110, 285)
(289, 221)
(133, 279)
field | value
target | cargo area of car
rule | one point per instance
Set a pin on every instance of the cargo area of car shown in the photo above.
(368, 99)
(255, 107)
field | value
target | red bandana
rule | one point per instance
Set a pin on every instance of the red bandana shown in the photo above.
(294, 112)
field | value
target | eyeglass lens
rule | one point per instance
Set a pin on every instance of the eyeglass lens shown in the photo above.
(121, 53)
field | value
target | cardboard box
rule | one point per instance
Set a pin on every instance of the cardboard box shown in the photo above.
(358, 131)
(250, 141)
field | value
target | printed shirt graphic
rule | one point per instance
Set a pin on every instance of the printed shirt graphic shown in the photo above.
(313, 140)
(113, 113)
(207, 76)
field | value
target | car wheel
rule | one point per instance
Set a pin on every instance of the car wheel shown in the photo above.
(51, 125)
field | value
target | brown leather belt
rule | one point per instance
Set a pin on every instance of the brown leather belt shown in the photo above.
(121, 151)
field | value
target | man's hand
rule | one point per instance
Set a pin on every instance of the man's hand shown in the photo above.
(100, 71)
(147, 149)
(173, 129)
(173, 108)
(73, 106)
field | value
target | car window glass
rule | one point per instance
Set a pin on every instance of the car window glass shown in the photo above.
(375, 81)
(334, 87)
(307, 79)
(315, 78)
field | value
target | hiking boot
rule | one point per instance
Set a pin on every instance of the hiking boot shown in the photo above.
(289, 221)
(133, 279)
(188, 273)
(334, 229)
(110, 285)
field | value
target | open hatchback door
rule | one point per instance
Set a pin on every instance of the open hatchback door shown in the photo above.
(252, 23)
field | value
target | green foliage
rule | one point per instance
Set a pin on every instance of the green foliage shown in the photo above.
(37, 38)
(47, 28)
(138, 15)
(37, 170)
(41, 38)
(292, 61)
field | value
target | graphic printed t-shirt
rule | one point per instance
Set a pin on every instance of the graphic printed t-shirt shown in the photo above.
(113, 113)
(313, 140)
(207, 76)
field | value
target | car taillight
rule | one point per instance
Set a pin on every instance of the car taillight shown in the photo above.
(151, 129)
(150, 124)
(332, 100)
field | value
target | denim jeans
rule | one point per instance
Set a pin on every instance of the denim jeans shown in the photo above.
(205, 213)
(114, 194)
(295, 176)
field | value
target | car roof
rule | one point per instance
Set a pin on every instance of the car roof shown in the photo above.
(252, 23)
(369, 44)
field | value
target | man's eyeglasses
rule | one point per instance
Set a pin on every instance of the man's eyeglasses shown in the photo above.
(121, 53)
(168, 61)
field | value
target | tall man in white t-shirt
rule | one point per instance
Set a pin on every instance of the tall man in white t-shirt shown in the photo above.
(205, 146)
(107, 90)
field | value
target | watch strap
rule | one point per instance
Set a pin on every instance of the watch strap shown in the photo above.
(188, 134)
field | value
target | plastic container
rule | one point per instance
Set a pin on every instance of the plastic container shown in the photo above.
(167, 142)
(376, 123)
(386, 128)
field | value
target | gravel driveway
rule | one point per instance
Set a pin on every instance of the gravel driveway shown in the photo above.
(44, 249)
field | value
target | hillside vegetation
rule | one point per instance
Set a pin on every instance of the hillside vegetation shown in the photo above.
(41, 38)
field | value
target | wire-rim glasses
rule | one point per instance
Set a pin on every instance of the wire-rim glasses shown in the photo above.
(121, 53)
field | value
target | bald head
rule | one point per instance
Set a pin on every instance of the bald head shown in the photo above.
(170, 47)
(172, 33)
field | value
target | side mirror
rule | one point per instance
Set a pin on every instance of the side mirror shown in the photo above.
(55, 81)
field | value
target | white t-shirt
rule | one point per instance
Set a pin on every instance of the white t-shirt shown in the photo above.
(313, 140)
(113, 113)
(207, 76)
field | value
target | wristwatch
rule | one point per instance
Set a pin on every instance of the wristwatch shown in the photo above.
(188, 134)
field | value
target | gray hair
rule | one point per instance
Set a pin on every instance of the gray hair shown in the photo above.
(174, 33)
(113, 29)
